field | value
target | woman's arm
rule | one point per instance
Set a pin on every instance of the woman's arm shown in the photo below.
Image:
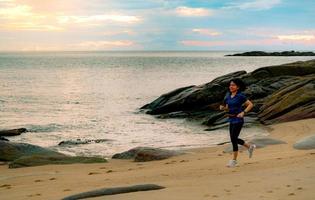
(249, 105)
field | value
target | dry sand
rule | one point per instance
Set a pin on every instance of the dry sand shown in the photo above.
(274, 172)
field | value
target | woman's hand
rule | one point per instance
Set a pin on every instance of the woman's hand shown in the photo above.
(241, 114)
(222, 107)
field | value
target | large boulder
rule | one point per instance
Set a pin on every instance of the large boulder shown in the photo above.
(142, 154)
(24, 155)
(294, 102)
(36, 160)
(191, 97)
(10, 151)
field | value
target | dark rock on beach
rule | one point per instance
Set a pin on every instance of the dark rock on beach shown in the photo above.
(283, 53)
(279, 93)
(10, 151)
(23, 154)
(307, 142)
(114, 190)
(36, 160)
(12, 132)
(142, 154)
(82, 141)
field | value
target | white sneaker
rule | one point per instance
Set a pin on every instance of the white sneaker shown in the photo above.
(232, 163)
(251, 150)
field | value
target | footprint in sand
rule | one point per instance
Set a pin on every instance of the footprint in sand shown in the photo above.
(52, 179)
(184, 161)
(5, 185)
(109, 171)
(299, 188)
(102, 168)
(236, 185)
(215, 196)
(93, 173)
(269, 191)
(291, 194)
(66, 190)
(171, 162)
(38, 180)
(288, 185)
(32, 195)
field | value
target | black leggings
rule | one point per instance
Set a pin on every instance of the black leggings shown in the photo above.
(235, 130)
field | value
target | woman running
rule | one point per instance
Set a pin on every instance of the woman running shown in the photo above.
(233, 102)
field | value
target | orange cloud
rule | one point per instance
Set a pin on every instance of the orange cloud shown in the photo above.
(296, 37)
(104, 44)
(208, 32)
(193, 12)
(202, 43)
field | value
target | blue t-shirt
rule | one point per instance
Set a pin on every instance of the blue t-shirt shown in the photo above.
(235, 105)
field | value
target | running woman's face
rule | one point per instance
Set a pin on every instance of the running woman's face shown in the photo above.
(233, 87)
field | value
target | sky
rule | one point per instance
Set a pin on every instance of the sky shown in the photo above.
(154, 25)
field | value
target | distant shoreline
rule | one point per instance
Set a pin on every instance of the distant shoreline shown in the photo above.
(282, 53)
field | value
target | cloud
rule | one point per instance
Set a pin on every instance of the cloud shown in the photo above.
(122, 32)
(104, 44)
(16, 12)
(98, 18)
(193, 12)
(254, 5)
(201, 43)
(208, 32)
(296, 37)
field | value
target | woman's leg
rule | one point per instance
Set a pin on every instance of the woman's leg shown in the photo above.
(235, 130)
(233, 137)
(239, 140)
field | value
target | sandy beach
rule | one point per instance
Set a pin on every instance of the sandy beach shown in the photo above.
(274, 172)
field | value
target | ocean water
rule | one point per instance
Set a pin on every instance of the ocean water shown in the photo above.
(96, 95)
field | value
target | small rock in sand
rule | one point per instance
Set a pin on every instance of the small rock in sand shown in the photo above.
(305, 143)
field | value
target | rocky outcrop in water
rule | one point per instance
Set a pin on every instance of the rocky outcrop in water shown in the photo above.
(24, 155)
(142, 154)
(82, 141)
(283, 53)
(13, 132)
(280, 93)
